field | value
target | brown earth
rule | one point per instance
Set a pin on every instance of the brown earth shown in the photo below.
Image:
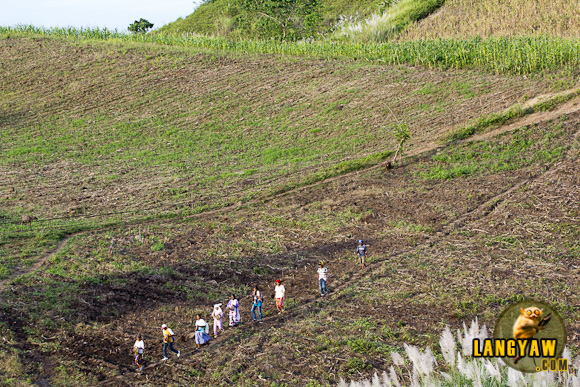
(442, 251)
(479, 271)
(82, 94)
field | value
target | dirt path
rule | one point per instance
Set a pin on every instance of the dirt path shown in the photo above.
(37, 265)
(569, 107)
(566, 108)
(194, 356)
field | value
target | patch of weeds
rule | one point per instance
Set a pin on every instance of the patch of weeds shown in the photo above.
(496, 119)
(485, 157)
(196, 373)
(361, 345)
(487, 121)
(412, 227)
(262, 270)
(337, 170)
(67, 375)
(10, 365)
(551, 104)
(157, 246)
(388, 332)
(562, 84)
(355, 365)
(364, 324)
(272, 155)
(166, 270)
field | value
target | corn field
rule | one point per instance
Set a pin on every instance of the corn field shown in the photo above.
(513, 55)
(468, 18)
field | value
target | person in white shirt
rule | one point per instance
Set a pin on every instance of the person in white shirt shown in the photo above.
(201, 331)
(322, 279)
(138, 349)
(280, 295)
(233, 307)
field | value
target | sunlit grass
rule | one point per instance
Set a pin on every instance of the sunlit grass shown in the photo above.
(519, 55)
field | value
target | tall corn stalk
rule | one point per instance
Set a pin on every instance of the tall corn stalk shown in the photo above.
(402, 133)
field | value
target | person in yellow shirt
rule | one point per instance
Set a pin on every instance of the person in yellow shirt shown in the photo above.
(168, 340)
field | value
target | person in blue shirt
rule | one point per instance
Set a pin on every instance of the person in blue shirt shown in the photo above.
(362, 252)
(257, 304)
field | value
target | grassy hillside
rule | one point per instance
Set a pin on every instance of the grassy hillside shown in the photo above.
(368, 20)
(464, 18)
(373, 21)
(541, 55)
(148, 120)
(385, 23)
(228, 18)
(167, 178)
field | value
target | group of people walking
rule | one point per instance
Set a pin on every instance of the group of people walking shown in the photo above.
(233, 309)
(202, 327)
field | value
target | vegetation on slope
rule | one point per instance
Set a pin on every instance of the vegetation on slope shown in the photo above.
(466, 18)
(230, 18)
(387, 22)
(258, 128)
(111, 280)
(520, 55)
(375, 21)
(114, 126)
(368, 20)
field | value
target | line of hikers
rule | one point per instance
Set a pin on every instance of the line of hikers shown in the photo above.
(233, 306)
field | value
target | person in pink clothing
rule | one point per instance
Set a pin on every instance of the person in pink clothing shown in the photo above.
(217, 315)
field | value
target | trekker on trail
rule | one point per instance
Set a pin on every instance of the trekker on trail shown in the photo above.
(168, 340)
(361, 251)
(257, 304)
(201, 331)
(280, 295)
(322, 279)
(218, 323)
(233, 307)
(138, 349)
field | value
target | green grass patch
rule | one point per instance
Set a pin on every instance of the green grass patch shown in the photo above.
(524, 148)
(497, 119)
(340, 168)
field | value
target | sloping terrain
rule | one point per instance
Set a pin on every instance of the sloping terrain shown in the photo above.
(464, 18)
(98, 132)
(228, 18)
